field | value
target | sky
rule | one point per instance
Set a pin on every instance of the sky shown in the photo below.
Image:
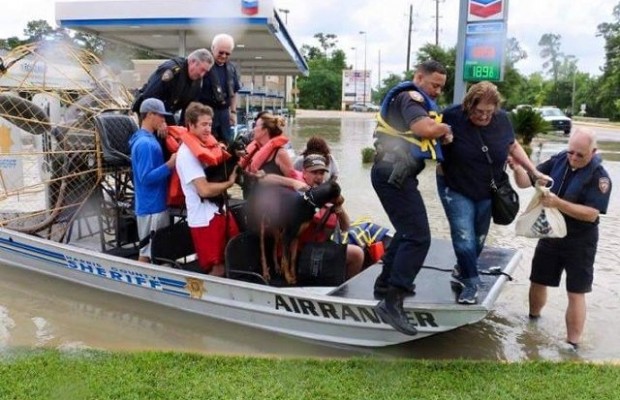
(386, 24)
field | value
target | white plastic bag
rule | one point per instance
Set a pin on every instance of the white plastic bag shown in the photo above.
(538, 221)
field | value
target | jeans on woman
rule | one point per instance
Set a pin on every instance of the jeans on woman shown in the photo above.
(469, 224)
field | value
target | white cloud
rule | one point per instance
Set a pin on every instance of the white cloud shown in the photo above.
(386, 25)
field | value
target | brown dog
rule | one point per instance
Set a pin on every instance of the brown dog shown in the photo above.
(284, 213)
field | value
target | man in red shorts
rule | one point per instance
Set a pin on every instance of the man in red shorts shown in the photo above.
(209, 225)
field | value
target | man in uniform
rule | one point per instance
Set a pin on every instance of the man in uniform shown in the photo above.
(404, 121)
(176, 82)
(219, 87)
(581, 192)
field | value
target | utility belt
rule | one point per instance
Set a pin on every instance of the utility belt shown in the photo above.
(404, 165)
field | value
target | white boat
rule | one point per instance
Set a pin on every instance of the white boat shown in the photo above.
(341, 314)
(65, 211)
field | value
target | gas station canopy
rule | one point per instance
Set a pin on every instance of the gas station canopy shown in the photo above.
(171, 28)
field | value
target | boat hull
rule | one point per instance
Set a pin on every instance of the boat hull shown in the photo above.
(341, 315)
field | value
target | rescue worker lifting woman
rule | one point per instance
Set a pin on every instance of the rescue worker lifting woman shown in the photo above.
(407, 133)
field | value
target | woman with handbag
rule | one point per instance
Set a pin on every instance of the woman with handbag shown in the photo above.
(472, 172)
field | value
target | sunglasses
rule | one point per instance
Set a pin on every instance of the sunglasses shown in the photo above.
(575, 153)
(223, 53)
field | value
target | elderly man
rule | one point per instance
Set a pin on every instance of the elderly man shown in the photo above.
(219, 87)
(581, 192)
(176, 82)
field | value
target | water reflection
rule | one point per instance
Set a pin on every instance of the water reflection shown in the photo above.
(40, 311)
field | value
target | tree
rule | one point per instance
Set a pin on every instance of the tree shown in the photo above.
(38, 30)
(388, 83)
(447, 57)
(322, 88)
(609, 84)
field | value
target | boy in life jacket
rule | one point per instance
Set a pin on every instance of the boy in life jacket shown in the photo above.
(210, 226)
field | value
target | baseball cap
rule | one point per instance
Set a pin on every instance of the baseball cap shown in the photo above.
(315, 162)
(153, 105)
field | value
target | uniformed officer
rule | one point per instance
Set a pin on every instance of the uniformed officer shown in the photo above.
(406, 134)
(219, 87)
(176, 82)
(581, 192)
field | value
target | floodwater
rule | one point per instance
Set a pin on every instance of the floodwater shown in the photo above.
(38, 311)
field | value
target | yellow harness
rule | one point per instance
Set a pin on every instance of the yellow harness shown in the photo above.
(425, 145)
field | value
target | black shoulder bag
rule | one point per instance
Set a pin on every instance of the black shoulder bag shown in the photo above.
(504, 199)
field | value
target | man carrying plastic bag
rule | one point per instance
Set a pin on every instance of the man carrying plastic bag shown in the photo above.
(539, 221)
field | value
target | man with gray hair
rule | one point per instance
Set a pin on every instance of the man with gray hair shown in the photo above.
(219, 87)
(176, 82)
(581, 192)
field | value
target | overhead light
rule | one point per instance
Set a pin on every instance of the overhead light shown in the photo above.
(135, 26)
(258, 57)
(241, 46)
(157, 35)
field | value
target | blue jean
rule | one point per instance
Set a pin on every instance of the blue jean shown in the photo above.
(405, 209)
(469, 225)
(221, 125)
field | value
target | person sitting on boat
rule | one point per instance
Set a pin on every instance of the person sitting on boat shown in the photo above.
(464, 176)
(266, 151)
(211, 226)
(176, 82)
(314, 171)
(150, 173)
(318, 145)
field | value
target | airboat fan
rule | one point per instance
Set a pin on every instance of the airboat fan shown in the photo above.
(53, 169)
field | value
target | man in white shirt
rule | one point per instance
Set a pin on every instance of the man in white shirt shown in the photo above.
(208, 224)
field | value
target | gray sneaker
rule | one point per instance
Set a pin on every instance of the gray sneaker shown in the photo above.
(469, 295)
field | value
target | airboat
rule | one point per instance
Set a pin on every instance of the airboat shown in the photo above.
(66, 211)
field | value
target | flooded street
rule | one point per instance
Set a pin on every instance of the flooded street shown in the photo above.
(38, 311)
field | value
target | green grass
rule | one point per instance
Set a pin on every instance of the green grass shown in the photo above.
(100, 375)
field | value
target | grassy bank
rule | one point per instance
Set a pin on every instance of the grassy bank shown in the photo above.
(99, 375)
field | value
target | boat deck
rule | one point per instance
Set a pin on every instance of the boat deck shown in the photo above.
(433, 282)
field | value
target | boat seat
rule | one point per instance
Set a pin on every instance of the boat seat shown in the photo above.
(242, 258)
(171, 244)
(114, 131)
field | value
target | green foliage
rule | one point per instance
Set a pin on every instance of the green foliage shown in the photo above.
(368, 154)
(447, 57)
(527, 123)
(97, 375)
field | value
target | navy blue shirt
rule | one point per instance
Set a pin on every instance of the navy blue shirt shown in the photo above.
(221, 100)
(589, 186)
(466, 168)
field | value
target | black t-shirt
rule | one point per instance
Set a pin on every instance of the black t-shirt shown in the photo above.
(465, 166)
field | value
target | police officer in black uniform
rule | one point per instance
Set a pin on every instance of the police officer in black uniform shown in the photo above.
(176, 82)
(219, 87)
(406, 121)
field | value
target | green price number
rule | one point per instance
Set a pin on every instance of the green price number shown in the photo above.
(482, 72)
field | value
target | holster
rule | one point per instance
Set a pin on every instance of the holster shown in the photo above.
(403, 163)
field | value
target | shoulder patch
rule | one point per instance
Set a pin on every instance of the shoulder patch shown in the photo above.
(167, 75)
(604, 184)
(416, 96)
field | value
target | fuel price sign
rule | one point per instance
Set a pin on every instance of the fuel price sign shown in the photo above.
(484, 51)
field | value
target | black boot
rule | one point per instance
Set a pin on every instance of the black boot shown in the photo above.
(391, 311)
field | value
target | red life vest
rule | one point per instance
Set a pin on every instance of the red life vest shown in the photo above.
(257, 155)
(209, 153)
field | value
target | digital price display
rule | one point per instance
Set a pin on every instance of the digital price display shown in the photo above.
(484, 52)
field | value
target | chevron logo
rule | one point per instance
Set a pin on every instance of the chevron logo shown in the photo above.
(485, 8)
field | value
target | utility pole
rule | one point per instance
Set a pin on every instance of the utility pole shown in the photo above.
(365, 45)
(355, 75)
(409, 35)
(436, 22)
(379, 73)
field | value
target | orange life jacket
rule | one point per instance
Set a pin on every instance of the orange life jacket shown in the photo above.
(257, 155)
(208, 153)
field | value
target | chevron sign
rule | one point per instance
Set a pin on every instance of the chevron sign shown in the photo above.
(485, 10)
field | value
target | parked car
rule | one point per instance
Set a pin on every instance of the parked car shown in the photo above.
(558, 120)
(361, 107)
